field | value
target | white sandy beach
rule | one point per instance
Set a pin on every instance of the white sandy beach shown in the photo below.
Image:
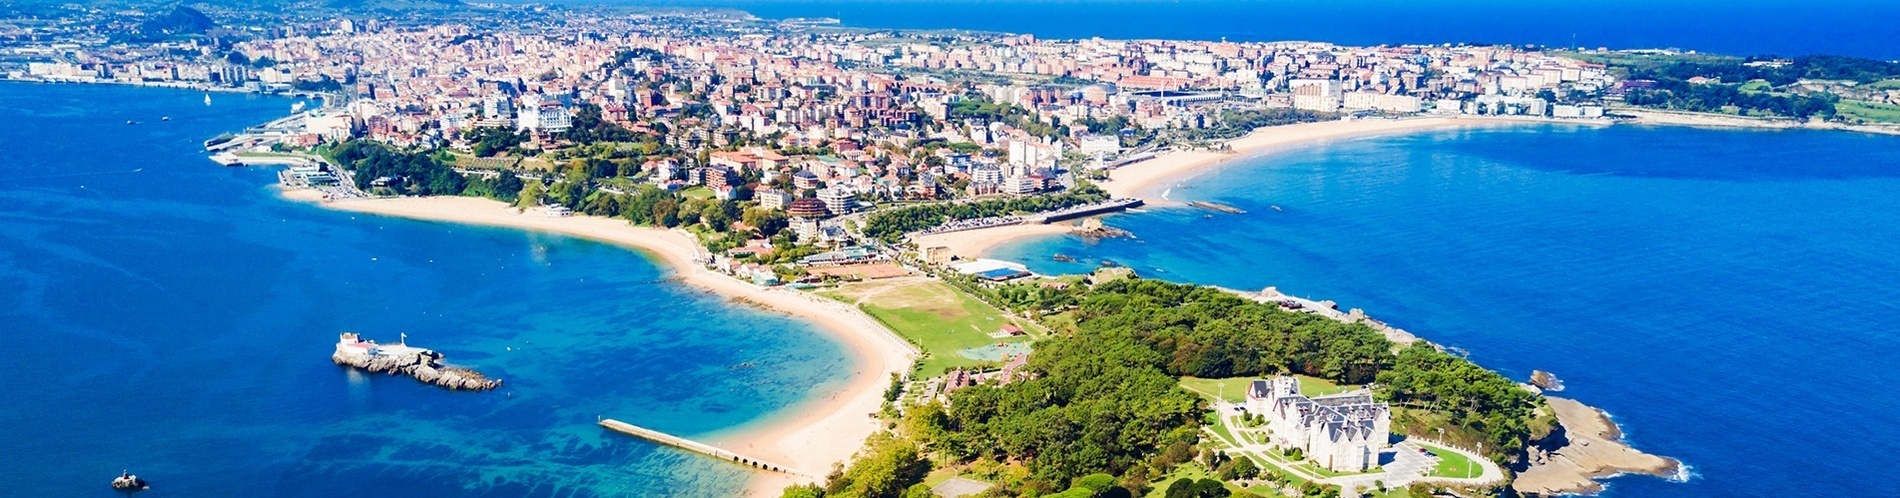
(971, 244)
(809, 437)
(1145, 179)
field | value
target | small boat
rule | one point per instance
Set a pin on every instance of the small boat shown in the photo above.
(1277, 208)
(131, 122)
(128, 482)
(207, 99)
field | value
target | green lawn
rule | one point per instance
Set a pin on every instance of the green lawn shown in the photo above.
(1234, 389)
(1220, 429)
(1892, 84)
(1315, 469)
(1756, 86)
(697, 192)
(1452, 464)
(1315, 386)
(1871, 111)
(939, 319)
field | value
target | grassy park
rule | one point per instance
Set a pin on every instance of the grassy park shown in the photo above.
(939, 319)
(1452, 463)
(1234, 389)
(1870, 111)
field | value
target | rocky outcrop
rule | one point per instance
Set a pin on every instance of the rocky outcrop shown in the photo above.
(129, 483)
(425, 366)
(1586, 446)
(1546, 381)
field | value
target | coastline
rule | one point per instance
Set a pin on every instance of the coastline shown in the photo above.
(1589, 449)
(811, 435)
(1140, 180)
(971, 244)
(1655, 117)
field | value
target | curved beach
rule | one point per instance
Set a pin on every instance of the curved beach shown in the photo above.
(970, 244)
(1145, 179)
(811, 436)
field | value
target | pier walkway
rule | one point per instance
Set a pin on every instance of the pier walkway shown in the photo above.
(697, 447)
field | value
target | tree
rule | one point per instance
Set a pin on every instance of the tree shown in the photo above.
(803, 491)
(1245, 468)
(890, 465)
(666, 213)
(1190, 488)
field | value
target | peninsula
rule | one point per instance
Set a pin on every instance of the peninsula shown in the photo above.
(855, 178)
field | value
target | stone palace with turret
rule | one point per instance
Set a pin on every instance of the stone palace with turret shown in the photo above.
(1341, 432)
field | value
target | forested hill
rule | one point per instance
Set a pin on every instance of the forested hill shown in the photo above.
(1104, 403)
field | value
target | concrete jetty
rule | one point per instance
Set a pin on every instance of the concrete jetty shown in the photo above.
(697, 447)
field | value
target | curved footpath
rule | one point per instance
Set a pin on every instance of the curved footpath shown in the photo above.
(811, 436)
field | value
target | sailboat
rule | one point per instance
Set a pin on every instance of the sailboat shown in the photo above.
(207, 99)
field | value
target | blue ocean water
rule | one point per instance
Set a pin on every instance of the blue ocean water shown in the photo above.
(1740, 27)
(1728, 296)
(173, 317)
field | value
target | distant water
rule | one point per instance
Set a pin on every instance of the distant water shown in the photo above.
(173, 317)
(1741, 27)
(1729, 296)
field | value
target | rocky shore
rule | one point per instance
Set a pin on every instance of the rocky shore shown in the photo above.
(1585, 447)
(423, 364)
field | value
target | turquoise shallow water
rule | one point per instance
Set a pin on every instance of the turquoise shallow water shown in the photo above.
(1728, 296)
(170, 316)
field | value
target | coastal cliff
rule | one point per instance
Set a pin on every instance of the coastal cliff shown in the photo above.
(1586, 446)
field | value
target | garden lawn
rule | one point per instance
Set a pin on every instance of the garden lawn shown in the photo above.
(939, 319)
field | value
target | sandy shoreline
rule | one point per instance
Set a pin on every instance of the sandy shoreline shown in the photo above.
(971, 244)
(810, 436)
(1145, 179)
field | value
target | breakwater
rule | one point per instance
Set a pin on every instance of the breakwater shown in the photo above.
(1107, 206)
(401, 359)
(695, 446)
